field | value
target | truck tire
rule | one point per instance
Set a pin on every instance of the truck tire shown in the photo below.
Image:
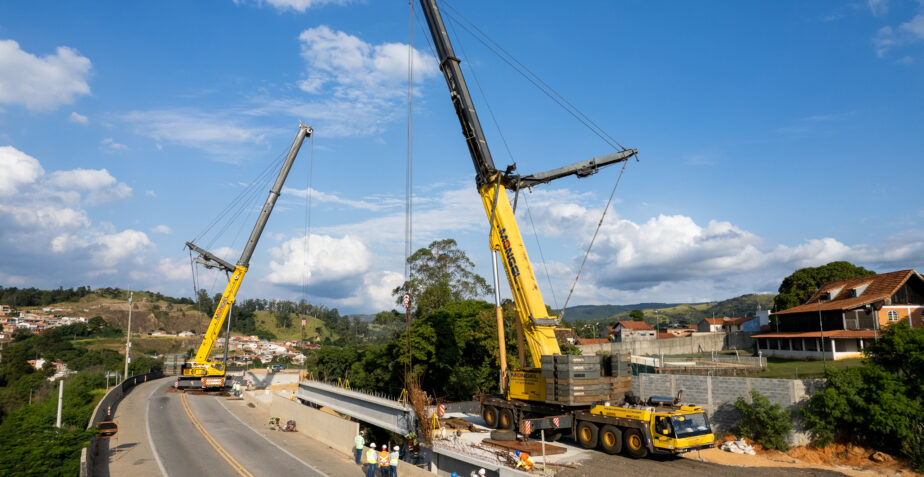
(489, 414)
(610, 439)
(634, 443)
(503, 435)
(587, 434)
(505, 419)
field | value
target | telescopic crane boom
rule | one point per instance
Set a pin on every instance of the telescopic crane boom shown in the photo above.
(200, 366)
(492, 185)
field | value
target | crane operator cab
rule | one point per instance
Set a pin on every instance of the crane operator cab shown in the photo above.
(677, 430)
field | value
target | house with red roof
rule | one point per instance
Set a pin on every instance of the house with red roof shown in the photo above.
(631, 330)
(842, 317)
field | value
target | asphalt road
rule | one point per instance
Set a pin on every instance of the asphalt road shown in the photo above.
(197, 435)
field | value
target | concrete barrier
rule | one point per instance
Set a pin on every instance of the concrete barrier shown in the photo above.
(104, 407)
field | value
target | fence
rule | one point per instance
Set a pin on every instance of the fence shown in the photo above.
(717, 394)
(103, 411)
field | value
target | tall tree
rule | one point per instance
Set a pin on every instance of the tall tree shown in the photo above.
(439, 274)
(637, 315)
(797, 288)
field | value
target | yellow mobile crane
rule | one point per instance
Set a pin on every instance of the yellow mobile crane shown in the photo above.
(551, 395)
(200, 371)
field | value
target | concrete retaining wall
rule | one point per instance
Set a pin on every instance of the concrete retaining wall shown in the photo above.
(695, 343)
(717, 395)
(336, 432)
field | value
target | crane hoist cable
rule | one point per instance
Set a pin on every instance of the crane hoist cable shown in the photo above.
(592, 239)
(307, 221)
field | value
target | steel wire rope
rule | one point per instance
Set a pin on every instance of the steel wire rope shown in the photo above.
(408, 192)
(233, 203)
(592, 239)
(487, 103)
(307, 224)
(537, 82)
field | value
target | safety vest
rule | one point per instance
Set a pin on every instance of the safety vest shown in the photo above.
(393, 458)
(359, 441)
(372, 457)
(383, 458)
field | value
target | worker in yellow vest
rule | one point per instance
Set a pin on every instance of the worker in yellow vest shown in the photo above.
(524, 460)
(393, 461)
(372, 461)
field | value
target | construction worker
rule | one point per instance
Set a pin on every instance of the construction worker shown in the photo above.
(393, 461)
(383, 461)
(372, 461)
(524, 460)
(358, 442)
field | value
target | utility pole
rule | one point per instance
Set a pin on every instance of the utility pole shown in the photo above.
(128, 338)
(821, 328)
(60, 402)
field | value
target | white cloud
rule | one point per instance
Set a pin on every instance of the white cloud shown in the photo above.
(17, 169)
(915, 26)
(373, 204)
(98, 183)
(162, 229)
(78, 118)
(218, 134)
(328, 260)
(127, 245)
(910, 32)
(301, 5)
(41, 83)
(358, 86)
(110, 144)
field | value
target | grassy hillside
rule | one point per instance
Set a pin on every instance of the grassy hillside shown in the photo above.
(266, 321)
(745, 305)
(596, 312)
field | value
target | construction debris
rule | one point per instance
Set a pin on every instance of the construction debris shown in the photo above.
(738, 447)
(531, 447)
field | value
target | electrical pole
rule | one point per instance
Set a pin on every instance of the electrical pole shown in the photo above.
(128, 338)
(821, 328)
(60, 402)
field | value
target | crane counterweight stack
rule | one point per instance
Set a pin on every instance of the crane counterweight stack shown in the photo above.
(200, 371)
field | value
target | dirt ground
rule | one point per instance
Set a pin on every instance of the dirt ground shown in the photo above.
(846, 459)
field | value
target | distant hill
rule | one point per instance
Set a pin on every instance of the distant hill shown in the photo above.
(683, 313)
(596, 312)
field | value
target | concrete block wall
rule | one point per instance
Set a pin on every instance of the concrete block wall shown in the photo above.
(717, 394)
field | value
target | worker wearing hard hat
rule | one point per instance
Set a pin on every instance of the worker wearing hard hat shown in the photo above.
(393, 461)
(383, 461)
(372, 461)
(524, 461)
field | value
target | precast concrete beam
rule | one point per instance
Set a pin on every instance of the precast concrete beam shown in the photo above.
(375, 410)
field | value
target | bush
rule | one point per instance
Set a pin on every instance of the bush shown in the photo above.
(767, 424)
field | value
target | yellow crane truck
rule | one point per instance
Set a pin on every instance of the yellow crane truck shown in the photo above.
(559, 393)
(200, 371)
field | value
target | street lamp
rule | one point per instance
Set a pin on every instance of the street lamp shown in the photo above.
(128, 338)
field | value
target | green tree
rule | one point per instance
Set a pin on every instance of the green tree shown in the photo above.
(766, 423)
(797, 288)
(637, 315)
(439, 274)
(880, 404)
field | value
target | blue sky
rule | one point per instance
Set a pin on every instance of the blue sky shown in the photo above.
(772, 136)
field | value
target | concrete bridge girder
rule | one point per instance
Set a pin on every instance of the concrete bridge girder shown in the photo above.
(374, 410)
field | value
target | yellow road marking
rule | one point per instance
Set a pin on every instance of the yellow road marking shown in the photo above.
(211, 440)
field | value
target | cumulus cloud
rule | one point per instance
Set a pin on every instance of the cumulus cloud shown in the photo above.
(46, 229)
(332, 266)
(110, 144)
(41, 83)
(17, 169)
(162, 229)
(78, 118)
(878, 7)
(907, 33)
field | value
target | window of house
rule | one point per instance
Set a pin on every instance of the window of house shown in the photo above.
(893, 316)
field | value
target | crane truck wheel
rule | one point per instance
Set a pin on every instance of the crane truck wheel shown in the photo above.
(634, 444)
(489, 414)
(610, 439)
(505, 420)
(587, 434)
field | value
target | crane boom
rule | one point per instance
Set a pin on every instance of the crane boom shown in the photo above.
(492, 185)
(200, 366)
